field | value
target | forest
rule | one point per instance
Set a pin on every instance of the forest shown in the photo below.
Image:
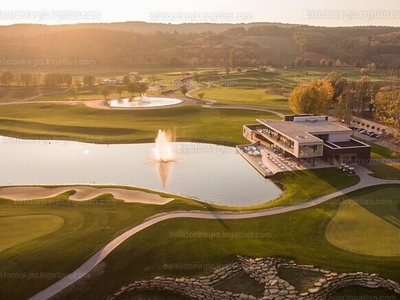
(204, 45)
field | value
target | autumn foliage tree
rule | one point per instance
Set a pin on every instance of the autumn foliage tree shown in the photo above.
(314, 98)
(387, 103)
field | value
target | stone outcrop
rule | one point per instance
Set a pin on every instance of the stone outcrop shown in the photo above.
(265, 271)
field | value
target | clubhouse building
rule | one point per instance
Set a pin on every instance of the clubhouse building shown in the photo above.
(304, 138)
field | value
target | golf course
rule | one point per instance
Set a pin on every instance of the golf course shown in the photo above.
(44, 240)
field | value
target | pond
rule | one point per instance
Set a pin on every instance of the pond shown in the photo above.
(205, 172)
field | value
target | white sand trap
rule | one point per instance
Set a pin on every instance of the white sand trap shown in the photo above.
(82, 193)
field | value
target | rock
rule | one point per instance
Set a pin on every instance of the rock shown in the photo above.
(273, 282)
(314, 290)
(317, 283)
(273, 291)
(283, 292)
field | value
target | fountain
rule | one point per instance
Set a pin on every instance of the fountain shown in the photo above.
(163, 154)
(143, 101)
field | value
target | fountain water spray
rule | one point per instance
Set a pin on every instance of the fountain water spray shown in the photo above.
(163, 151)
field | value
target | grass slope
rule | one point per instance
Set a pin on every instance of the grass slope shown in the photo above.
(170, 247)
(77, 122)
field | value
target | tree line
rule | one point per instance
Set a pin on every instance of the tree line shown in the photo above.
(253, 44)
(362, 98)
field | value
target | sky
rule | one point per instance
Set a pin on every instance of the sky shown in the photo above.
(309, 12)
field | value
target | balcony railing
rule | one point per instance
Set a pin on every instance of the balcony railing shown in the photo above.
(287, 146)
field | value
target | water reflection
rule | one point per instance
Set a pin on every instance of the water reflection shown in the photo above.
(200, 171)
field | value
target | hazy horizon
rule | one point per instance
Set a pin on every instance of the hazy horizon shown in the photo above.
(306, 12)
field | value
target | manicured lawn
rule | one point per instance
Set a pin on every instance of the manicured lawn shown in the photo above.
(378, 151)
(302, 186)
(243, 95)
(51, 240)
(191, 123)
(386, 171)
(298, 235)
(358, 230)
(17, 230)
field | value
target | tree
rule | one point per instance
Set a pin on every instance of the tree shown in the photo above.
(142, 87)
(239, 69)
(197, 77)
(6, 78)
(74, 89)
(201, 95)
(227, 70)
(338, 63)
(338, 82)
(345, 106)
(104, 90)
(232, 58)
(119, 90)
(387, 103)
(363, 94)
(183, 89)
(298, 61)
(126, 79)
(88, 80)
(307, 62)
(323, 62)
(137, 87)
(314, 98)
(132, 88)
(26, 79)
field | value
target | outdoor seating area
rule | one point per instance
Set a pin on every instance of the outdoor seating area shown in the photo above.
(282, 162)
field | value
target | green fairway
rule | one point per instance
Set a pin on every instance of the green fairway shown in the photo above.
(243, 95)
(358, 230)
(78, 122)
(19, 229)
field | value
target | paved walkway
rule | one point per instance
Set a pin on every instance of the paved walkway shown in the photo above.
(365, 181)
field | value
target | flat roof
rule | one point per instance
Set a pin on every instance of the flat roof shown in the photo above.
(304, 132)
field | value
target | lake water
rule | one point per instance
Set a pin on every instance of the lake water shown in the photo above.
(206, 172)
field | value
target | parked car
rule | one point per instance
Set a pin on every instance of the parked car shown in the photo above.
(363, 131)
(351, 170)
(341, 166)
(345, 168)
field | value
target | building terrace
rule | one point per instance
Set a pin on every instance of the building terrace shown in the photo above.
(306, 137)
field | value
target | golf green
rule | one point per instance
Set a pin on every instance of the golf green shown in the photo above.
(19, 229)
(359, 230)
